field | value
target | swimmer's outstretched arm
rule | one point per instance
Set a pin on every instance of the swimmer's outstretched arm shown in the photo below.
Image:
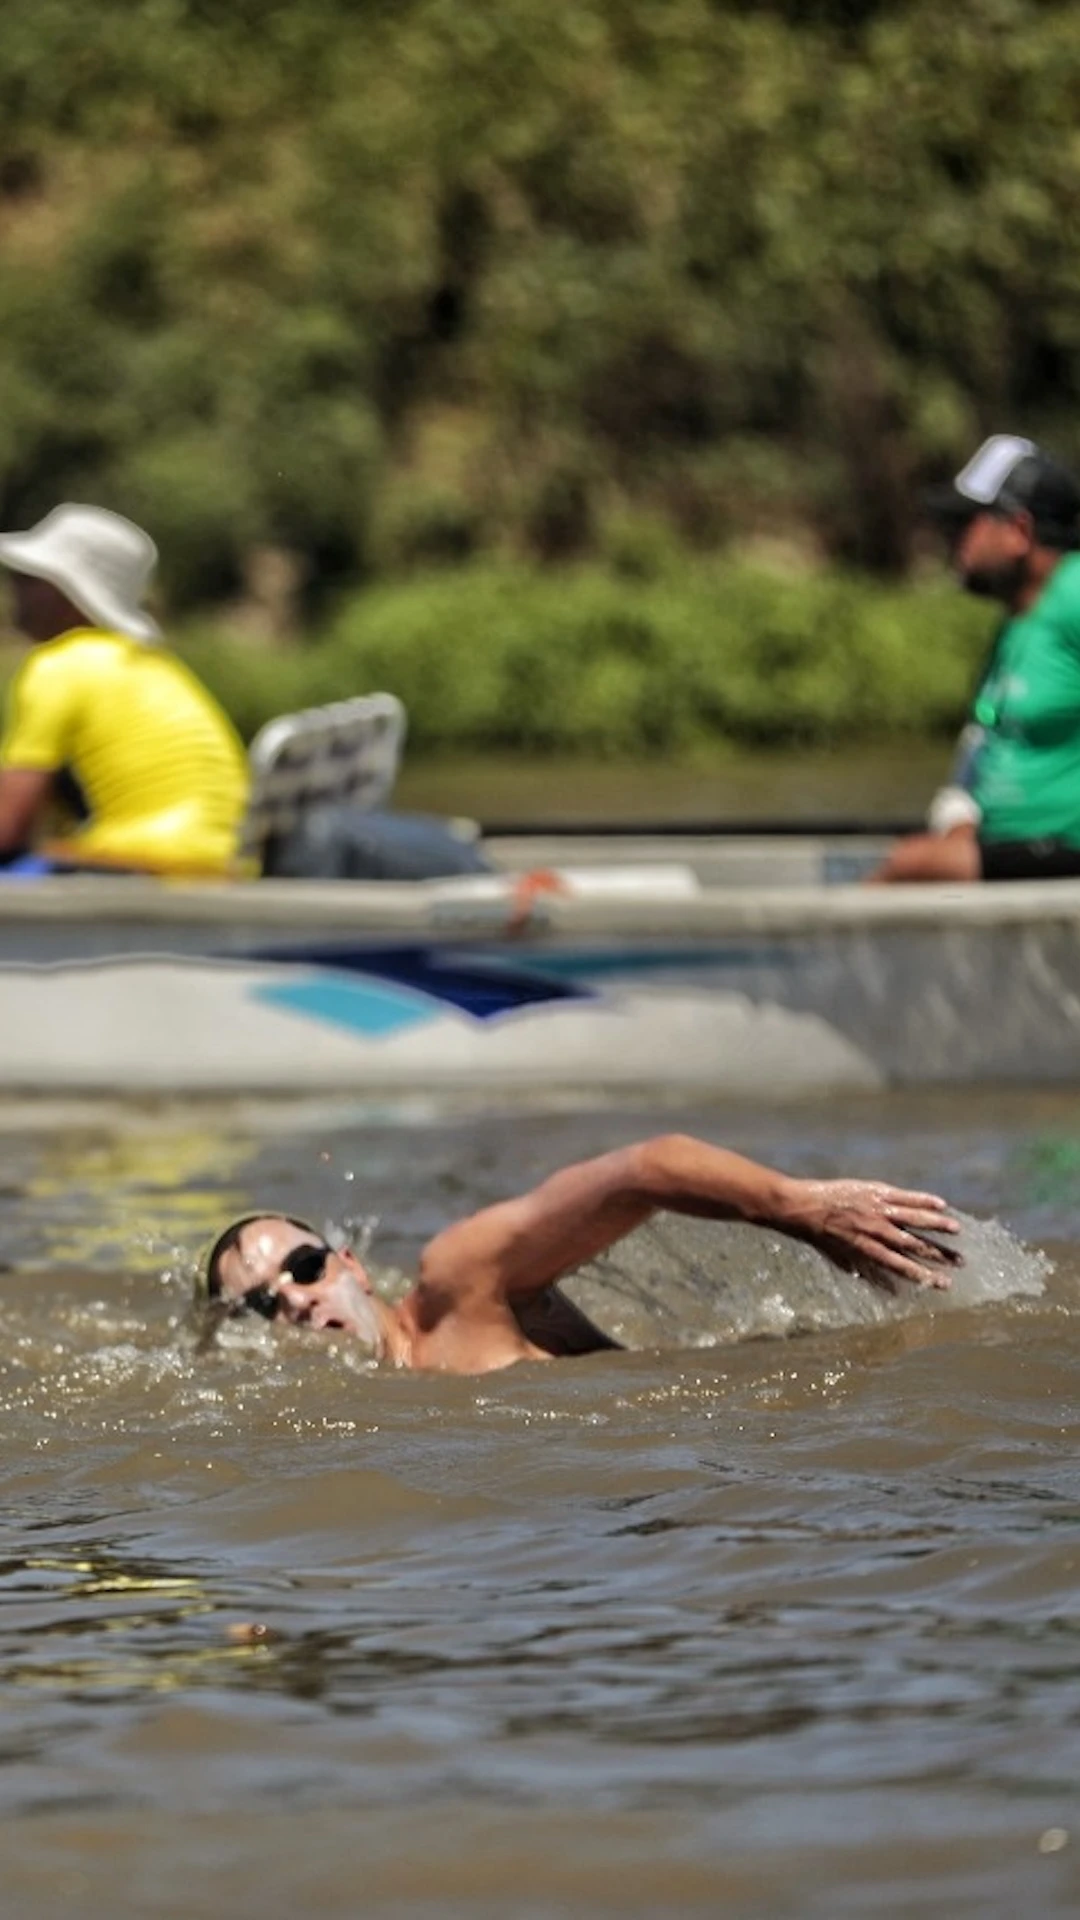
(521, 1246)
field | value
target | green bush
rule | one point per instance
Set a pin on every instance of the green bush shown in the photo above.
(586, 662)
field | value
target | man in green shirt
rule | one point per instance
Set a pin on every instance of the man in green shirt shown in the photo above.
(1012, 808)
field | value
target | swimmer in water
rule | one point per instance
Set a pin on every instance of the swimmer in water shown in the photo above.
(486, 1293)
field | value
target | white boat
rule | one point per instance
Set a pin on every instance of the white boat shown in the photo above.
(724, 965)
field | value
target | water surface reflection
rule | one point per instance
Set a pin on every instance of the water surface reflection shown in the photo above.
(787, 1628)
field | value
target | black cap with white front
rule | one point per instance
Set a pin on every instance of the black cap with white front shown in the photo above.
(1012, 475)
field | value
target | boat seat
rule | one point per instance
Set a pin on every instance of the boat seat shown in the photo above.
(345, 752)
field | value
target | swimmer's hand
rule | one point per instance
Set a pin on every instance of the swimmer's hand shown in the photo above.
(863, 1220)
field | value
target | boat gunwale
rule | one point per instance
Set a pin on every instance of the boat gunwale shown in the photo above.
(452, 909)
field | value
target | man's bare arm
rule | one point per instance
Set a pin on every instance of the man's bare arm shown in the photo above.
(23, 793)
(523, 1245)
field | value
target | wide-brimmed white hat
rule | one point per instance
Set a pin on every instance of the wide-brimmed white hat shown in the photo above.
(100, 560)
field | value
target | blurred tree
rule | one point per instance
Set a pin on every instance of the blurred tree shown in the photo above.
(734, 268)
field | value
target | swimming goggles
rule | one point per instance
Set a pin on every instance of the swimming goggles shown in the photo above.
(305, 1265)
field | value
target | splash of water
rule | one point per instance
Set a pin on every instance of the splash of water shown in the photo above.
(678, 1282)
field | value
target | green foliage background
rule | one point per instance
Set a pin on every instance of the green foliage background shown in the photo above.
(430, 292)
(583, 662)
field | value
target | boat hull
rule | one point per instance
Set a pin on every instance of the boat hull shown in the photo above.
(131, 987)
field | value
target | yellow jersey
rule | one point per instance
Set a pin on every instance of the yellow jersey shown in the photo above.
(163, 771)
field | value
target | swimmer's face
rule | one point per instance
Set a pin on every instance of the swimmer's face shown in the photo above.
(282, 1270)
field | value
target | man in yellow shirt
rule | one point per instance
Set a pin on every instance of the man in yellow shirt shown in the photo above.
(160, 767)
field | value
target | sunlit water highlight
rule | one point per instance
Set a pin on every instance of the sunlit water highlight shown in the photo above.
(785, 1627)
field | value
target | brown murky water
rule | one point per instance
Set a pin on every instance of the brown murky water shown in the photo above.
(788, 1628)
(882, 783)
